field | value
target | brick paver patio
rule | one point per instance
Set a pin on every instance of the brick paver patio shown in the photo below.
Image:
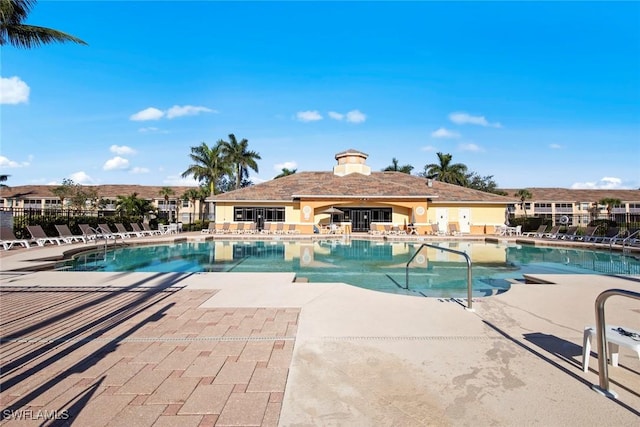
(140, 356)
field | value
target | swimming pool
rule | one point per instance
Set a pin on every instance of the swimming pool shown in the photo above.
(368, 264)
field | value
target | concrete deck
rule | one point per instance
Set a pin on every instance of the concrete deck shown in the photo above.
(247, 349)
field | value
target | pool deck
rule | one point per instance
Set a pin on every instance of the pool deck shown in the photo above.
(242, 349)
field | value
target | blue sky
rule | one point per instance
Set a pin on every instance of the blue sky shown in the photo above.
(540, 94)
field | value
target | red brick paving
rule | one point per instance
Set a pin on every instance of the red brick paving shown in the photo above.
(101, 356)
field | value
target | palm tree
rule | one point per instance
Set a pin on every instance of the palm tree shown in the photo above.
(445, 171)
(209, 165)
(165, 192)
(132, 205)
(4, 178)
(523, 194)
(609, 202)
(286, 172)
(192, 195)
(394, 167)
(240, 158)
(13, 13)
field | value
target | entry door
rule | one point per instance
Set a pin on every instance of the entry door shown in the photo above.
(442, 215)
(464, 220)
(360, 219)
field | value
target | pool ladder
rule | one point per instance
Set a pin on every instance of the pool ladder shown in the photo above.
(469, 306)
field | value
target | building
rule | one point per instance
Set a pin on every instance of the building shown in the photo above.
(361, 197)
(564, 206)
(39, 200)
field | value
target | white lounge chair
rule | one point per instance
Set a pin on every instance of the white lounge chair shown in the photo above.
(8, 239)
(41, 238)
(65, 233)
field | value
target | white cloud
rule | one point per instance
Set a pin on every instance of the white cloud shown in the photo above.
(13, 90)
(139, 170)
(355, 116)
(116, 163)
(336, 116)
(429, 148)
(308, 116)
(606, 183)
(286, 165)
(469, 147)
(179, 181)
(462, 118)
(151, 129)
(7, 163)
(81, 178)
(150, 113)
(187, 110)
(555, 146)
(444, 133)
(121, 149)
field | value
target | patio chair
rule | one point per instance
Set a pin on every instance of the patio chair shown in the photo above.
(279, 228)
(239, 228)
(124, 232)
(211, 229)
(435, 230)
(553, 233)
(453, 229)
(538, 233)
(250, 228)
(107, 233)
(224, 229)
(570, 234)
(266, 229)
(589, 234)
(9, 239)
(292, 229)
(89, 232)
(41, 238)
(150, 230)
(136, 228)
(65, 233)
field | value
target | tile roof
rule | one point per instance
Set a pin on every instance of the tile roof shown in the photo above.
(104, 191)
(573, 195)
(358, 186)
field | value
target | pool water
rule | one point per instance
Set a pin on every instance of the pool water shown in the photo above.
(372, 265)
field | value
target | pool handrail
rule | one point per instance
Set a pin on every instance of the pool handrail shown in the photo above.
(628, 239)
(603, 369)
(469, 306)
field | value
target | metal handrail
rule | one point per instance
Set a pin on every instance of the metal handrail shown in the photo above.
(615, 238)
(603, 369)
(624, 241)
(469, 275)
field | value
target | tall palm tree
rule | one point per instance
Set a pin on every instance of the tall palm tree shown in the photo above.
(133, 205)
(3, 179)
(609, 202)
(523, 194)
(285, 172)
(165, 192)
(445, 171)
(395, 167)
(240, 158)
(13, 30)
(209, 165)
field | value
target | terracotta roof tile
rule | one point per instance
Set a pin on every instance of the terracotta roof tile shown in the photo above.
(574, 195)
(104, 191)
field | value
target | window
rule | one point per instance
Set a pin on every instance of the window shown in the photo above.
(185, 203)
(270, 214)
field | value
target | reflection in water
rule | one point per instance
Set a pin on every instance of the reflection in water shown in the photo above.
(368, 264)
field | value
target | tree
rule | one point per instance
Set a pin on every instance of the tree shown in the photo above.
(192, 195)
(395, 168)
(483, 183)
(240, 158)
(286, 172)
(64, 191)
(523, 194)
(445, 171)
(13, 30)
(209, 165)
(132, 205)
(3, 179)
(609, 202)
(165, 192)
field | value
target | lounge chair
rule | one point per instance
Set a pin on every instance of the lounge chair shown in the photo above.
(209, 230)
(41, 238)
(150, 230)
(239, 228)
(136, 229)
(435, 230)
(89, 232)
(279, 228)
(107, 233)
(570, 234)
(588, 235)
(9, 239)
(553, 233)
(65, 233)
(453, 229)
(124, 232)
(266, 229)
(292, 229)
(224, 229)
(538, 233)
